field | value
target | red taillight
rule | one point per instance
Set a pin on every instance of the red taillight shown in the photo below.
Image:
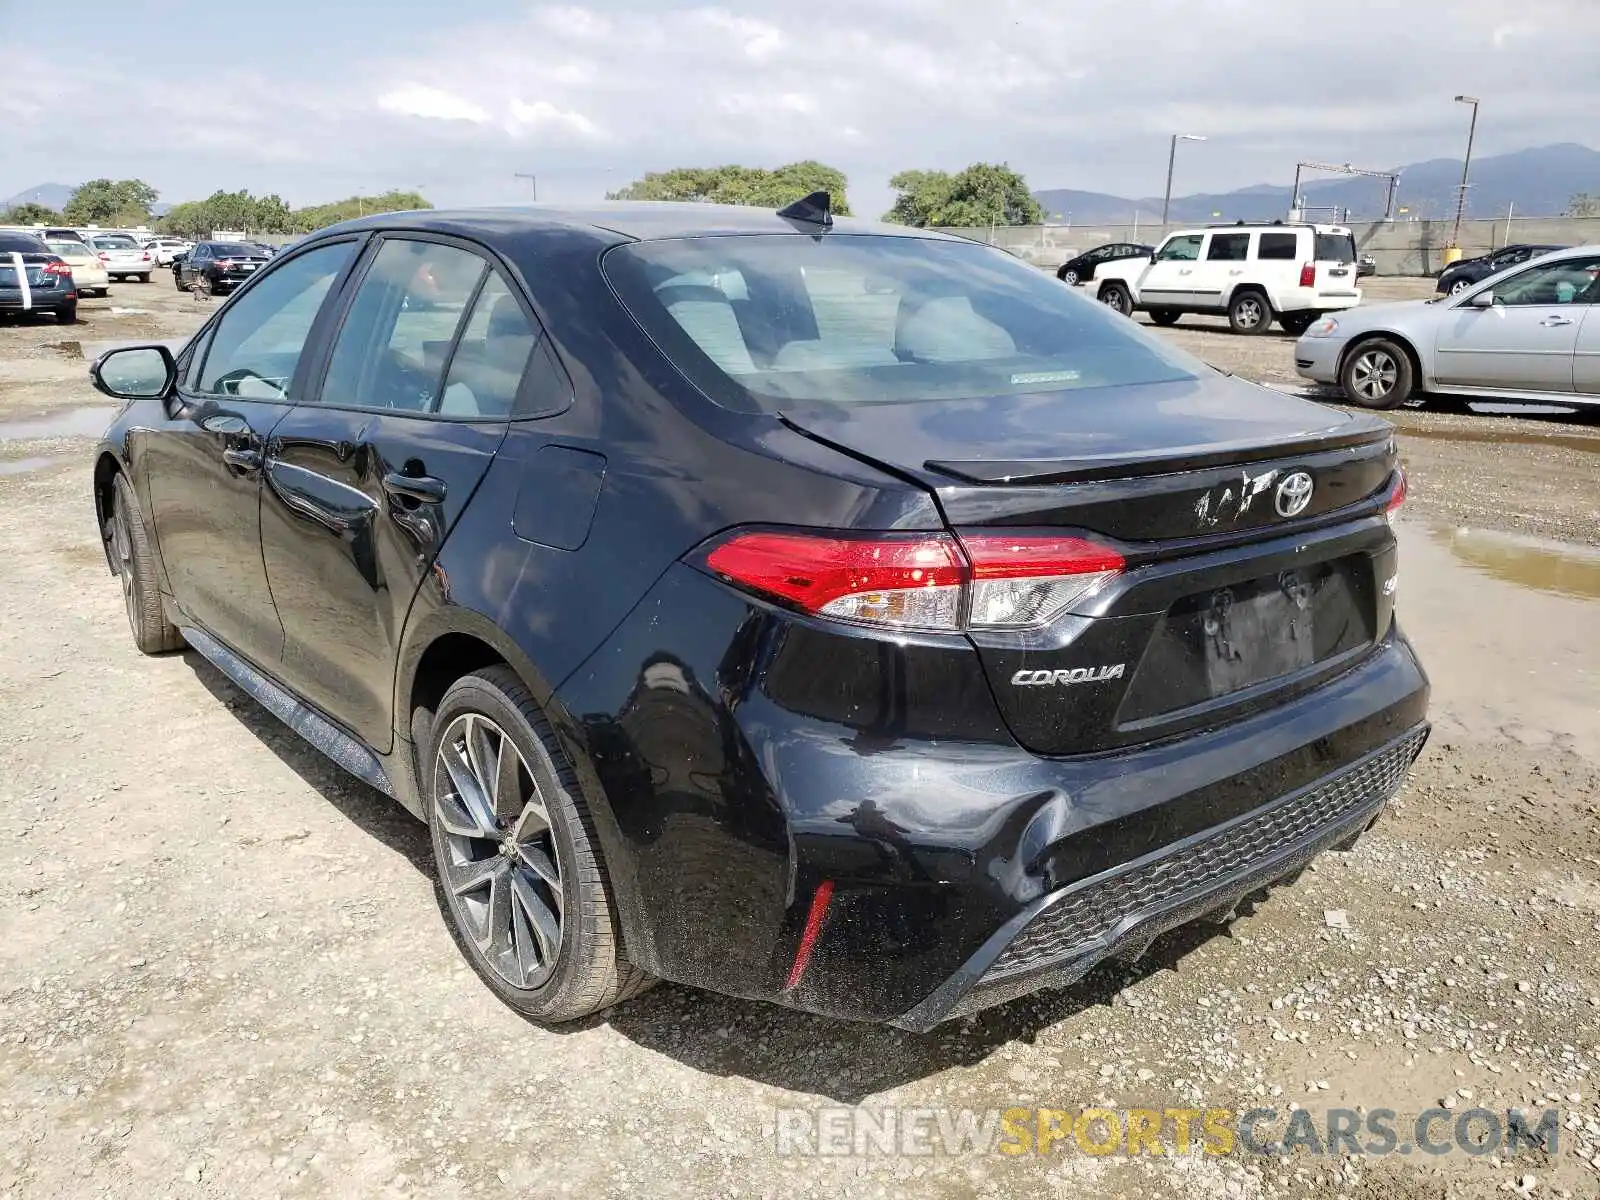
(103, 256)
(1398, 496)
(932, 581)
(224, 263)
(57, 268)
(1308, 275)
(145, 256)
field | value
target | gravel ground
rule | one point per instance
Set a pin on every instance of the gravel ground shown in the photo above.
(223, 974)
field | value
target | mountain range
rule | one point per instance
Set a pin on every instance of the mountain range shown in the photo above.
(1540, 182)
(51, 195)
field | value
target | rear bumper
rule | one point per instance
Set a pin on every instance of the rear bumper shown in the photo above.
(42, 299)
(1059, 939)
(739, 759)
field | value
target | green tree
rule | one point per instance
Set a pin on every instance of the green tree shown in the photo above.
(29, 213)
(1584, 205)
(982, 194)
(111, 202)
(732, 184)
(305, 220)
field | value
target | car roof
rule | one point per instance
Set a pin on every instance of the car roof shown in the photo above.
(637, 220)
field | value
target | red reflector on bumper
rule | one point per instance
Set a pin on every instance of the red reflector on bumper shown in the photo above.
(808, 939)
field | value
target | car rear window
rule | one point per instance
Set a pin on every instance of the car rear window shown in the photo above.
(115, 242)
(1335, 247)
(21, 243)
(69, 249)
(760, 320)
(234, 250)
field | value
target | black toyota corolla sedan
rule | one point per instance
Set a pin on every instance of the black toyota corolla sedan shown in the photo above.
(829, 613)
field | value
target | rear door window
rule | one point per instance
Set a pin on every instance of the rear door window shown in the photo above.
(1228, 247)
(1278, 246)
(398, 332)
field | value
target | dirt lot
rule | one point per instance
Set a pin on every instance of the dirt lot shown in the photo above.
(222, 972)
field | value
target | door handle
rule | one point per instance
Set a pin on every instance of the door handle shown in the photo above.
(1240, 272)
(241, 459)
(1185, 270)
(1552, 321)
(424, 489)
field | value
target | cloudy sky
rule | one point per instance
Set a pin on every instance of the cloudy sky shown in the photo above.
(316, 100)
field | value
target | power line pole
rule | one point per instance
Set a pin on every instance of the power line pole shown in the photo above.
(1466, 166)
(532, 179)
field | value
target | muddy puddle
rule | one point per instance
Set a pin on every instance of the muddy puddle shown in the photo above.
(1561, 568)
(21, 466)
(87, 422)
(1566, 441)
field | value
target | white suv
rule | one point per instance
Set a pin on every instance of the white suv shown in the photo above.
(1252, 273)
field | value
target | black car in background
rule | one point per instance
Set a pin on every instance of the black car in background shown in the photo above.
(1081, 269)
(217, 266)
(836, 614)
(1461, 275)
(35, 279)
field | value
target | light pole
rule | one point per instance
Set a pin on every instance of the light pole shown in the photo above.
(1466, 166)
(1172, 159)
(532, 179)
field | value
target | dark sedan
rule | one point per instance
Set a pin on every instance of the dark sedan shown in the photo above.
(1081, 269)
(1459, 276)
(34, 279)
(218, 267)
(835, 614)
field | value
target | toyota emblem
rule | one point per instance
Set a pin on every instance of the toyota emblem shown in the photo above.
(1293, 494)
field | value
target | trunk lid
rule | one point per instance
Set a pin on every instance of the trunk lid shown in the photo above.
(1241, 584)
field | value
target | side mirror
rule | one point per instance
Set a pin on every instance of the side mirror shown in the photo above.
(1155, 256)
(180, 256)
(1483, 299)
(136, 373)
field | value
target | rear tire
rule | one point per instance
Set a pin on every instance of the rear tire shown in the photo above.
(1115, 297)
(1165, 316)
(135, 562)
(521, 882)
(1377, 374)
(67, 314)
(1296, 322)
(215, 287)
(177, 280)
(1249, 313)
(144, 277)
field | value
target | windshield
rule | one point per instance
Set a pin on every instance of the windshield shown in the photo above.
(115, 242)
(758, 321)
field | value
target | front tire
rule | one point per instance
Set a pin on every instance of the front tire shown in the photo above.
(1377, 374)
(1068, 277)
(135, 562)
(1249, 313)
(1460, 286)
(1296, 323)
(521, 881)
(1115, 297)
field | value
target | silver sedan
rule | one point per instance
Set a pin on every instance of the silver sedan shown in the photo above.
(1531, 333)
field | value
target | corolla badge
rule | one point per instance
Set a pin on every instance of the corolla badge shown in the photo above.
(1293, 494)
(1062, 678)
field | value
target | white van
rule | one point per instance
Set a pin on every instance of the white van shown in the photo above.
(1253, 273)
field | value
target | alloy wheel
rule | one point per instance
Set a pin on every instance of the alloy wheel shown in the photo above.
(501, 868)
(1459, 286)
(1374, 374)
(1249, 313)
(1070, 278)
(122, 553)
